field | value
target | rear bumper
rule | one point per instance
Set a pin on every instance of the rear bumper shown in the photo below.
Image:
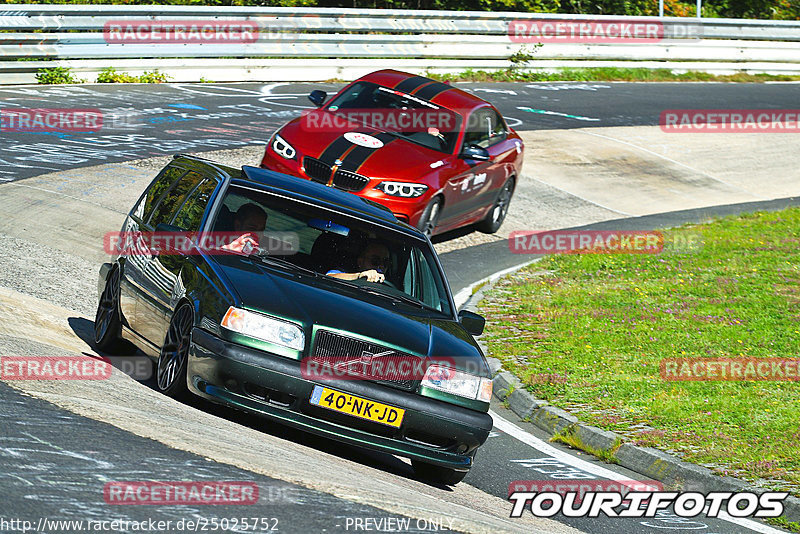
(273, 386)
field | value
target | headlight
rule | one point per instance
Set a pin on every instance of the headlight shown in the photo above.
(458, 383)
(283, 148)
(402, 189)
(264, 328)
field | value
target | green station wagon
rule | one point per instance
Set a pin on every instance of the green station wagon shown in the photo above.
(303, 334)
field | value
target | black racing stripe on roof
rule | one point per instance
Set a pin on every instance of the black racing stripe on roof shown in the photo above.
(429, 92)
(409, 84)
(359, 155)
(335, 150)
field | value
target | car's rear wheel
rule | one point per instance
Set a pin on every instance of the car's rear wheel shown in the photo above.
(107, 324)
(497, 214)
(437, 474)
(171, 369)
(430, 217)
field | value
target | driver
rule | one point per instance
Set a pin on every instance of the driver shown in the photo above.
(373, 262)
(251, 220)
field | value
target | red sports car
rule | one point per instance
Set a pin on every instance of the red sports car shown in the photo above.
(438, 157)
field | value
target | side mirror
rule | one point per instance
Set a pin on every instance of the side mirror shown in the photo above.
(317, 97)
(472, 322)
(475, 152)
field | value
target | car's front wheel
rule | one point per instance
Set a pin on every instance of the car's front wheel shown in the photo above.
(107, 324)
(437, 474)
(171, 369)
(497, 214)
(430, 217)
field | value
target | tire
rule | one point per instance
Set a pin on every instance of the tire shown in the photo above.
(171, 367)
(437, 474)
(107, 324)
(430, 217)
(497, 214)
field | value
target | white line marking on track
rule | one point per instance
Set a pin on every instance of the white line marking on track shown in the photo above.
(503, 91)
(516, 432)
(674, 162)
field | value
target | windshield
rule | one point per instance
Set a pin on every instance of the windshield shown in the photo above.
(351, 254)
(407, 116)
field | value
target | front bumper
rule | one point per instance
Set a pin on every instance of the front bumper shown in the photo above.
(432, 431)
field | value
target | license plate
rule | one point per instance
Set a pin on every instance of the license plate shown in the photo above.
(356, 406)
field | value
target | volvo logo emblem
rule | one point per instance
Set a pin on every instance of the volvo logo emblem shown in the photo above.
(364, 361)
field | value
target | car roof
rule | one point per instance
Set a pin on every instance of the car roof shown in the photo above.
(439, 93)
(306, 191)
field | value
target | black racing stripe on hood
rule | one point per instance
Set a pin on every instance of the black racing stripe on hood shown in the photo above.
(335, 150)
(409, 84)
(359, 155)
(429, 92)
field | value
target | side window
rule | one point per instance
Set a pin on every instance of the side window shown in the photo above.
(478, 129)
(485, 128)
(190, 215)
(160, 185)
(428, 292)
(498, 130)
(170, 202)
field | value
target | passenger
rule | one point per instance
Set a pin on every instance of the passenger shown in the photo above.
(373, 262)
(252, 220)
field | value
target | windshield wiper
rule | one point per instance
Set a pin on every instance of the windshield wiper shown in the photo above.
(285, 263)
(403, 298)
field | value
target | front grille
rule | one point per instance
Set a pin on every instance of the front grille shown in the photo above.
(317, 170)
(391, 367)
(349, 181)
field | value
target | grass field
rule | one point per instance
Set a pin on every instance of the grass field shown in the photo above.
(587, 332)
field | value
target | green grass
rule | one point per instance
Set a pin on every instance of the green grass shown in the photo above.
(605, 74)
(605, 321)
(784, 523)
(568, 437)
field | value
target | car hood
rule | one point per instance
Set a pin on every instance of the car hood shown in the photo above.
(324, 303)
(329, 144)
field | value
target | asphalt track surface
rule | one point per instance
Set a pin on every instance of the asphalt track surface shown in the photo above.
(142, 121)
(53, 461)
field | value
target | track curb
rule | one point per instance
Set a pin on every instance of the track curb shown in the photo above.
(647, 461)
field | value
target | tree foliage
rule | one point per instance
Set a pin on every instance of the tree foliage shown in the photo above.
(761, 9)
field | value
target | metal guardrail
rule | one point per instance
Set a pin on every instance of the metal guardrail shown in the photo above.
(74, 36)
